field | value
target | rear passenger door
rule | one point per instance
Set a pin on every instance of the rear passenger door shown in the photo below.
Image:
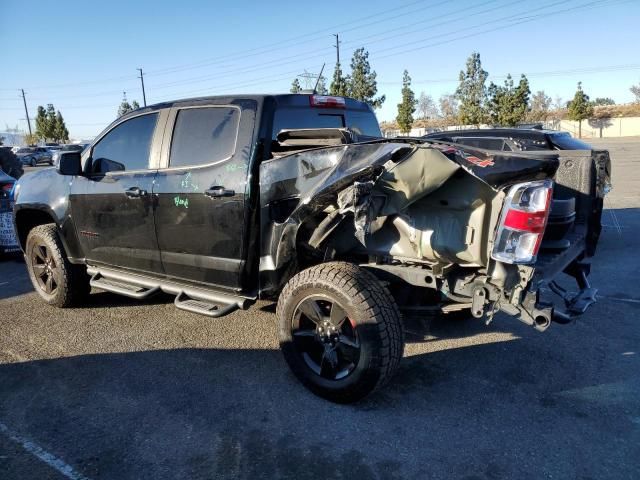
(201, 190)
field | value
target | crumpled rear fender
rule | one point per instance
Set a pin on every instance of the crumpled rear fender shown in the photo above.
(366, 183)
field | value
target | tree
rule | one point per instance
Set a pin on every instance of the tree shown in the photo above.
(580, 108)
(60, 132)
(540, 107)
(46, 123)
(427, 107)
(295, 86)
(338, 84)
(449, 109)
(602, 101)
(362, 84)
(42, 124)
(635, 89)
(321, 88)
(31, 139)
(126, 107)
(507, 105)
(407, 107)
(472, 91)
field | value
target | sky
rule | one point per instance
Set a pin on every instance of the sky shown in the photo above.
(81, 56)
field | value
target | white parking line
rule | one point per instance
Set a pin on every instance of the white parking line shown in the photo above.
(48, 458)
(618, 299)
(616, 223)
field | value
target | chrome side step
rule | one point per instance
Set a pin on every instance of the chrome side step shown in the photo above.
(122, 288)
(211, 303)
(204, 307)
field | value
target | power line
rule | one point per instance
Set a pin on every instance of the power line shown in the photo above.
(231, 55)
(292, 59)
(551, 73)
(266, 48)
(528, 19)
(520, 20)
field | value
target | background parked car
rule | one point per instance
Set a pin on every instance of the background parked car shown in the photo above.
(34, 155)
(73, 147)
(9, 163)
(8, 239)
(512, 139)
(53, 148)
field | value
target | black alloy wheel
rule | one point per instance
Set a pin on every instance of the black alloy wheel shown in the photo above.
(325, 337)
(54, 277)
(340, 331)
(46, 272)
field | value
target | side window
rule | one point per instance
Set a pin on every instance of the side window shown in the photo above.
(126, 147)
(204, 135)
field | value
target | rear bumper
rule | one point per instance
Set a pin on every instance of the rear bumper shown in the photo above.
(537, 307)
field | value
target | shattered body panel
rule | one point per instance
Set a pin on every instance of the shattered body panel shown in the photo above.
(410, 201)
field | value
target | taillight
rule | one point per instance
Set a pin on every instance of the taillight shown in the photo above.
(522, 222)
(325, 101)
(5, 189)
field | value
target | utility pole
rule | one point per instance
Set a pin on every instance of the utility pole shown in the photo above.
(141, 77)
(337, 45)
(26, 112)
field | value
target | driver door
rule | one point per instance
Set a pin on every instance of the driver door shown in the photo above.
(113, 204)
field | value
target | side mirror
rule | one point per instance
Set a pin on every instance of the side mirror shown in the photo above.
(69, 163)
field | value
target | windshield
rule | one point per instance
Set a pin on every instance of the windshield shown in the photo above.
(25, 150)
(564, 141)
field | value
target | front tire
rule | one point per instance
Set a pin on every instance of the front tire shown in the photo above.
(340, 331)
(57, 281)
(33, 162)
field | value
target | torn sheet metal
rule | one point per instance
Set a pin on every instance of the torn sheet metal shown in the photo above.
(373, 182)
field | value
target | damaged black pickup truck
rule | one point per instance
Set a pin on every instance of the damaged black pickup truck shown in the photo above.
(221, 201)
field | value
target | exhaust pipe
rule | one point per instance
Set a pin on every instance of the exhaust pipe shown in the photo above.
(541, 321)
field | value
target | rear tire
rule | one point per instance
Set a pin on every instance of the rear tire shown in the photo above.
(340, 331)
(57, 281)
(33, 162)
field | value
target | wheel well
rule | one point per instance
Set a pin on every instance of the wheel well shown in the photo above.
(26, 220)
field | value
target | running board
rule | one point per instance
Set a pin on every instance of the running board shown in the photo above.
(204, 307)
(122, 288)
(208, 302)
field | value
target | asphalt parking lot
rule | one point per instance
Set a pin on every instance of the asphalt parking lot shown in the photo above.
(127, 390)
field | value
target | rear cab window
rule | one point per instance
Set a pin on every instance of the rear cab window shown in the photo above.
(564, 141)
(296, 112)
(487, 143)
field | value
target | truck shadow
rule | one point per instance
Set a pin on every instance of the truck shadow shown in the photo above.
(238, 413)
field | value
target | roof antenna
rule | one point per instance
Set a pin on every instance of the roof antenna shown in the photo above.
(315, 87)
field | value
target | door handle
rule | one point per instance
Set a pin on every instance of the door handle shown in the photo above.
(217, 192)
(135, 192)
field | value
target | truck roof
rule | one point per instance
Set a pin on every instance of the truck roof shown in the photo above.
(284, 99)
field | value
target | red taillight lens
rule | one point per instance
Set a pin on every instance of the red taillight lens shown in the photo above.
(522, 223)
(529, 221)
(325, 101)
(5, 189)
